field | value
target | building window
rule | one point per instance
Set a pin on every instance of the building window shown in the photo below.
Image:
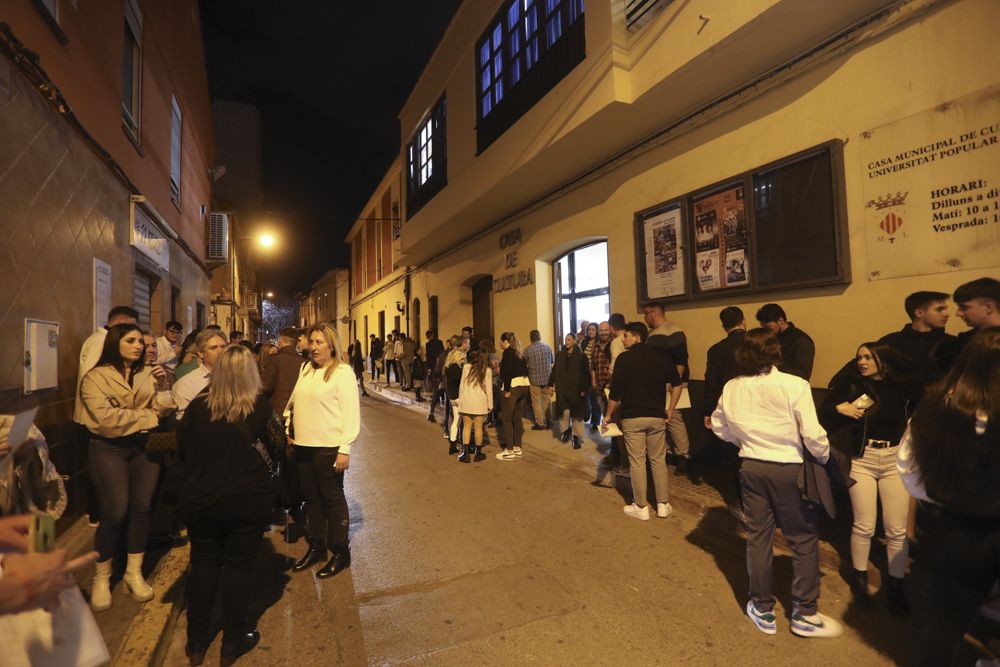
(49, 9)
(582, 287)
(132, 69)
(528, 47)
(427, 158)
(176, 131)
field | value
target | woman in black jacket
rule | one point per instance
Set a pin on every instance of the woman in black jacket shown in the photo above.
(515, 385)
(229, 441)
(865, 413)
(453, 379)
(571, 379)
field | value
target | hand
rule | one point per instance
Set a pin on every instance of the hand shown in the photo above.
(158, 372)
(14, 533)
(506, 394)
(708, 423)
(42, 576)
(850, 410)
(670, 415)
(342, 463)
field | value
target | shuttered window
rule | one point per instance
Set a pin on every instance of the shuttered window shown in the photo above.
(142, 289)
(176, 132)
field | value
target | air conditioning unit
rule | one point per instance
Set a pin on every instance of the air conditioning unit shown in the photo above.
(218, 237)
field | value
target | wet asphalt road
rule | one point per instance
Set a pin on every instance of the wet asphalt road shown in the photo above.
(526, 562)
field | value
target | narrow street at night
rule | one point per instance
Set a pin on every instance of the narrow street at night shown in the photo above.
(525, 562)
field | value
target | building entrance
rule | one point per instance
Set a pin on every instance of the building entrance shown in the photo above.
(482, 308)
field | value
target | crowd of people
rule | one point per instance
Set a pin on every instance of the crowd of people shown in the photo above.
(223, 433)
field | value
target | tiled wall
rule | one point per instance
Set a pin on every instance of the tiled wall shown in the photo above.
(60, 207)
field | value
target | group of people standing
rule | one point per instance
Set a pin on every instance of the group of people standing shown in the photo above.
(236, 424)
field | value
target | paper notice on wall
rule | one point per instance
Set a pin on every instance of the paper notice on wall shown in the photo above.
(721, 239)
(664, 254)
(102, 293)
(932, 189)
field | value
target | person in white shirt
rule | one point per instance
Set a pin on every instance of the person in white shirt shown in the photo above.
(324, 417)
(770, 415)
(210, 343)
(168, 352)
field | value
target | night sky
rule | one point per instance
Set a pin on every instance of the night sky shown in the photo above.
(329, 78)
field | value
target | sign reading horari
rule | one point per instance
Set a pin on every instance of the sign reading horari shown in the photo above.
(932, 189)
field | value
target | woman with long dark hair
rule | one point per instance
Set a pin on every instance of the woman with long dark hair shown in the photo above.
(226, 497)
(514, 375)
(325, 418)
(475, 400)
(122, 401)
(950, 455)
(865, 413)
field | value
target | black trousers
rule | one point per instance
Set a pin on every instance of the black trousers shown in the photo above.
(512, 414)
(323, 491)
(965, 564)
(225, 539)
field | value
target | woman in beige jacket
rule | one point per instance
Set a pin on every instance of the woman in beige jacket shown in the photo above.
(122, 400)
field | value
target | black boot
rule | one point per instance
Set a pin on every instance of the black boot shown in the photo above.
(465, 458)
(477, 451)
(341, 561)
(577, 442)
(859, 587)
(452, 448)
(431, 418)
(233, 647)
(565, 435)
(898, 606)
(313, 555)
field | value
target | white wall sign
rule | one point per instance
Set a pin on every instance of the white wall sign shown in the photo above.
(102, 293)
(190, 319)
(932, 189)
(147, 238)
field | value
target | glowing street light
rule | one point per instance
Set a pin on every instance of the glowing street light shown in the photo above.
(266, 240)
(270, 295)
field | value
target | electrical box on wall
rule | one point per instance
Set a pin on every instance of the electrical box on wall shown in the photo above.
(41, 355)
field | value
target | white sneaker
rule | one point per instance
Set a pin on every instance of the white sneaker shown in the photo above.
(636, 512)
(517, 452)
(765, 621)
(816, 625)
(663, 510)
(506, 455)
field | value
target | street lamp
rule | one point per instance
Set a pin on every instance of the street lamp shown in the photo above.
(270, 295)
(266, 240)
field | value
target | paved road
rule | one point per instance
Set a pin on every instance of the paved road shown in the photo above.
(526, 562)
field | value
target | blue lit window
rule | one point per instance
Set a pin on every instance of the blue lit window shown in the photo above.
(530, 33)
(491, 70)
(514, 40)
(575, 10)
(553, 21)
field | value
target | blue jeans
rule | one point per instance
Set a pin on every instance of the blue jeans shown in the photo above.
(125, 480)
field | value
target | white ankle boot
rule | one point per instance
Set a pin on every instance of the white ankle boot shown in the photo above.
(137, 586)
(100, 591)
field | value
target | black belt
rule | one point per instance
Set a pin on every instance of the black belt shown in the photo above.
(880, 444)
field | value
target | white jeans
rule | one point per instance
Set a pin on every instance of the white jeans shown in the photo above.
(876, 475)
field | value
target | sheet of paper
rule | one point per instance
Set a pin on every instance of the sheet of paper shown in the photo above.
(19, 429)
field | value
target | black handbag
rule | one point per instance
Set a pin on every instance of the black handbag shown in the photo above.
(164, 437)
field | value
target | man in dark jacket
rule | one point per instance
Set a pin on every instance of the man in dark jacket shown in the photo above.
(721, 365)
(375, 355)
(797, 349)
(923, 349)
(432, 349)
(281, 370)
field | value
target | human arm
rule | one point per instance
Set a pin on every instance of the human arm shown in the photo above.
(35, 580)
(675, 395)
(712, 388)
(350, 411)
(909, 471)
(112, 420)
(14, 533)
(813, 435)
(720, 423)
(489, 386)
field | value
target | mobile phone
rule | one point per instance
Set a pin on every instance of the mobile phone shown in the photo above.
(41, 533)
(863, 402)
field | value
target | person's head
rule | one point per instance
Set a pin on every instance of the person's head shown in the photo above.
(266, 350)
(248, 345)
(172, 331)
(635, 332)
(122, 315)
(454, 342)
(927, 310)
(123, 348)
(150, 351)
(215, 327)
(570, 340)
(431, 334)
(455, 356)
(465, 343)
(592, 330)
(874, 360)
(617, 323)
(324, 347)
(479, 362)
(772, 316)
(487, 347)
(583, 325)
(653, 314)
(235, 336)
(759, 350)
(535, 336)
(732, 318)
(467, 331)
(288, 337)
(956, 427)
(210, 344)
(978, 302)
(508, 339)
(235, 384)
(604, 332)
(188, 347)
(302, 342)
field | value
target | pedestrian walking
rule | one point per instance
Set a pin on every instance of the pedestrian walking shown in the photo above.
(375, 356)
(390, 360)
(230, 442)
(418, 371)
(406, 349)
(325, 419)
(539, 357)
(771, 416)
(357, 360)
(865, 414)
(121, 401)
(639, 387)
(514, 374)
(571, 379)
(950, 456)
(453, 382)
(475, 400)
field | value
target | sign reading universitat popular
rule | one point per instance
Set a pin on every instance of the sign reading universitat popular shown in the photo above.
(932, 189)
(149, 240)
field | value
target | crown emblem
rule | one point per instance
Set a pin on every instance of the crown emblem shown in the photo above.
(889, 200)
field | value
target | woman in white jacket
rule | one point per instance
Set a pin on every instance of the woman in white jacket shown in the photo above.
(324, 417)
(475, 400)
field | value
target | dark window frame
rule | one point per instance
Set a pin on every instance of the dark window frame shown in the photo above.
(839, 237)
(419, 192)
(573, 296)
(535, 76)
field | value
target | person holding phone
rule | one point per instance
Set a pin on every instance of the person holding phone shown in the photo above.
(122, 401)
(865, 413)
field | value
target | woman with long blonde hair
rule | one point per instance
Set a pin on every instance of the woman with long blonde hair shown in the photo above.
(324, 414)
(453, 379)
(229, 442)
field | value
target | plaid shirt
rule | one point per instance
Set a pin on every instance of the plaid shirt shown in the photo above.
(539, 358)
(600, 363)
